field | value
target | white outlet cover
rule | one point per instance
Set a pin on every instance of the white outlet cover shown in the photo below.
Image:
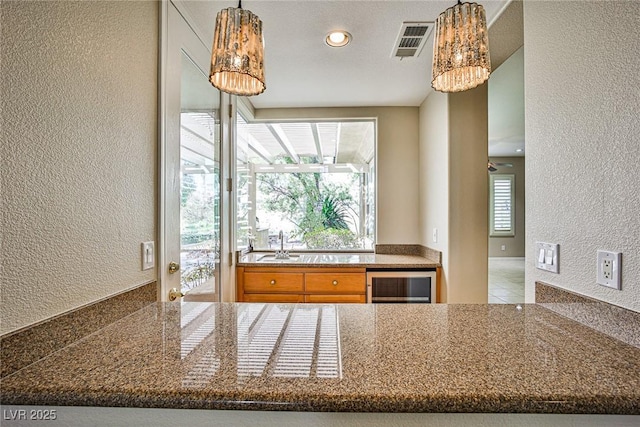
(615, 258)
(547, 257)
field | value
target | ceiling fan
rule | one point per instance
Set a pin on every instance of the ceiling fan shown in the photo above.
(492, 166)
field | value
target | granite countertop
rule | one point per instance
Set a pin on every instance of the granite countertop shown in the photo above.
(364, 358)
(367, 260)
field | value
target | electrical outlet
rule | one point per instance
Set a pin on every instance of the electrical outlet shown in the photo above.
(503, 247)
(609, 269)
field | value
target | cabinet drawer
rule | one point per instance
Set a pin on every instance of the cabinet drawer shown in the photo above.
(273, 298)
(329, 283)
(273, 282)
(335, 299)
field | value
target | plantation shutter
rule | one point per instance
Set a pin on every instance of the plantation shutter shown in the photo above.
(501, 205)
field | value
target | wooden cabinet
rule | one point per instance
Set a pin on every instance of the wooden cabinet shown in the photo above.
(335, 299)
(331, 283)
(295, 284)
(274, 298)
(273, 282)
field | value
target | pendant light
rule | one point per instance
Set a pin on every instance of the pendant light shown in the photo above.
(461, 49)
(237, 55)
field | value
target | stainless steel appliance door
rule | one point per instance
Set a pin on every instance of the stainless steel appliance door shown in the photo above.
(401, 287)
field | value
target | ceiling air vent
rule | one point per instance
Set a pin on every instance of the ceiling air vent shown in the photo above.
(411, 39)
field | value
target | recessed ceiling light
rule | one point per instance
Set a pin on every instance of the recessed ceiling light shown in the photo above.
(519, 150)
(338, 38)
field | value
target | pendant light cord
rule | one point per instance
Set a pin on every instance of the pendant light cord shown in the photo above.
(240, 4)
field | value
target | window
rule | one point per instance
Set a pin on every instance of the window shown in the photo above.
(501, 205)
(312, 180)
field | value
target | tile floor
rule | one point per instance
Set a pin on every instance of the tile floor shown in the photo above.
(506, 280)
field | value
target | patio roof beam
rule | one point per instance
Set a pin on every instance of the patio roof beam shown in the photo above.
(196, 134)
(253, 144)
(338, 132)
(312, 167)
(316, 139)
(284, 142)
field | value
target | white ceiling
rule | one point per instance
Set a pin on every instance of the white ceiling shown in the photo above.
(302, 71)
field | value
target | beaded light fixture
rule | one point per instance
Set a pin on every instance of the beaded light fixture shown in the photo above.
(237, 55)
(461, 49)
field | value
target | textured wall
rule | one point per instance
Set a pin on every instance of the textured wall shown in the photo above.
(468, 197)
(434, 168)
(506, 107)
(454, 190)
(397, 159)
(583, 142)
(79, 139)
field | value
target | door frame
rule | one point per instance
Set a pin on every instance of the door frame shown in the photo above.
(171, 17)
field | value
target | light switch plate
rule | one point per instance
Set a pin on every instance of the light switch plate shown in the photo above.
(148, 255)
(548, 257)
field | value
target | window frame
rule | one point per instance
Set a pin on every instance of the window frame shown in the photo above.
(492, 205)
(368, 223)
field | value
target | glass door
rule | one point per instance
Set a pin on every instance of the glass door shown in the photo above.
(191, 238)
(199, 185)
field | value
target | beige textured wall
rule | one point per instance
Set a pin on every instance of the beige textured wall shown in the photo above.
(397, 159)
(454, 190)
(468, 197)
(582, 74)
(79, 119)
(434, 170)
(514, 246)
(506, 106)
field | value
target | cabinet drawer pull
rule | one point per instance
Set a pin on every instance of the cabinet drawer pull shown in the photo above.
(334, 283)
(272, 282)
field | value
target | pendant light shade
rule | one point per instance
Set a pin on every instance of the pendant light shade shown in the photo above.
(237, 55)
(461, 49)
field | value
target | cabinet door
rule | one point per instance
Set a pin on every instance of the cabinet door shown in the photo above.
(335, 299)
(265, 282)
(339, 283)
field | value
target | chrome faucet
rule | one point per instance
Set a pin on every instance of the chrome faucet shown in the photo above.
(281, 254)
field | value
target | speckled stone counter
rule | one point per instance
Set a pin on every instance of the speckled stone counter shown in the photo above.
(375, 357)
(23, 347)
(368, 260)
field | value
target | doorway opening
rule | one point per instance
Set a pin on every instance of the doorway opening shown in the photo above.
(506, 170)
